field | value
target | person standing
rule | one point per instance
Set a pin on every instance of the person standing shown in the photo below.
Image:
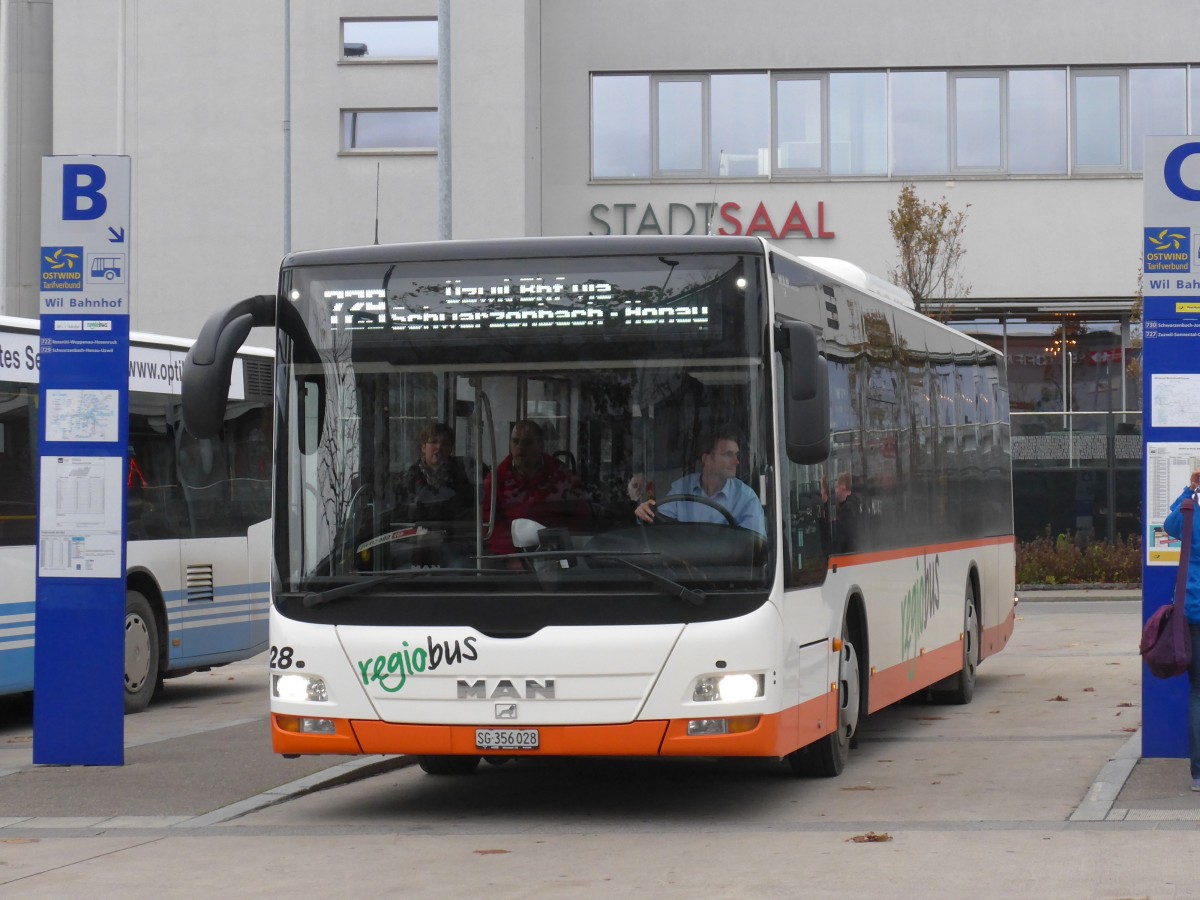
(1173, 525)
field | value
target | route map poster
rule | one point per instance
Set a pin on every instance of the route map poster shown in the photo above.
(80, 535)
(1168, 468)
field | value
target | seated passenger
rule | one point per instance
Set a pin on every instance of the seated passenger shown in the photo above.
(436, 487)
(849, 516)
(436, 491)
(531, 484)
(717, 481)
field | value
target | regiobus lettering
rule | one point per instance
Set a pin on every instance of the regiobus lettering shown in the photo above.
(407, 661)
(588, 496)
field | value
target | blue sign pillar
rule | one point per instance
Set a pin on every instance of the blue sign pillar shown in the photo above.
(79, 645)
(1170, 399)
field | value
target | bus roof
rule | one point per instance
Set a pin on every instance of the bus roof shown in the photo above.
(527, 248)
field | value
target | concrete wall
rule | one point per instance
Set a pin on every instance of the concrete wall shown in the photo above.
(1033, 237)
(25, 67)
(194, 93)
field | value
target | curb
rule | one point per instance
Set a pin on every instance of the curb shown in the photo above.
(1098, 801)
(346, 773)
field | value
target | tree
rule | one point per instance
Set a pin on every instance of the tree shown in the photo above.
(929, 241)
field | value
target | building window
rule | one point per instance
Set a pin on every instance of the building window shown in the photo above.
(1099, 119)
(1157, 105)
(1037, 122)
(799, 134)
(918, 123)
(858, 143)
(902, 123)
(412, 130)
(679, 112)
(978, 105)
(391, 40)
(741, 125)
(621, 126)
(1195, 94)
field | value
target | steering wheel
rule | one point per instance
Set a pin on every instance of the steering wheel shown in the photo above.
(694, 498)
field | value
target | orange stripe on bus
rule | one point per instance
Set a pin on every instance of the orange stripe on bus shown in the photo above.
(896, 683)
(286, 740)
(859, 559)
(776, 735)
(632, 739)
(995, 639)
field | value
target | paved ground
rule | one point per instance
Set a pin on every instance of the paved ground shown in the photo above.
(1036, 789)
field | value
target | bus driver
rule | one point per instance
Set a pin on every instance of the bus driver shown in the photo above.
(717, 480)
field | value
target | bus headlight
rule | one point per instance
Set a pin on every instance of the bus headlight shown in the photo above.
(728, 688)
(299, 688)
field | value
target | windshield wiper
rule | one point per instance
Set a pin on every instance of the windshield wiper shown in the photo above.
(311, 598)
(671, 588)
(668, 586)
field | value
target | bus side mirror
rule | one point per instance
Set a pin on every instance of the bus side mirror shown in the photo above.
(209, 363)
(806, 393)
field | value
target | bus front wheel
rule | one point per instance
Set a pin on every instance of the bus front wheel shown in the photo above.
(141, 652)
(827, 757)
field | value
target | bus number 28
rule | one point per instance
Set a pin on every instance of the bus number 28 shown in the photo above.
(284, 658)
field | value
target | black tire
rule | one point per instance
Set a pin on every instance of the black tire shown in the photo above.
(960, 689)
(141, 652)
(448, 765)
(827, 757)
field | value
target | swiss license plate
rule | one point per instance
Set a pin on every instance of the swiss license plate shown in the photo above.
(506, 738)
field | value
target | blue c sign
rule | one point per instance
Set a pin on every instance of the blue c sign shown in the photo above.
(1171, 171)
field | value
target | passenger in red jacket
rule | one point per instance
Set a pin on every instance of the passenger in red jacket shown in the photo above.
(531, 484)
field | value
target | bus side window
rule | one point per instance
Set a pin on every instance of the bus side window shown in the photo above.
(805, 517)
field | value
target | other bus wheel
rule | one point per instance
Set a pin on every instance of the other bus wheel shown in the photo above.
(827, 757)
(960, 688)
(448, 765)
(141, 652)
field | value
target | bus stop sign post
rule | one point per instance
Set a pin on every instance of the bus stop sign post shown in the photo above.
(1170, 399)
(83, 440)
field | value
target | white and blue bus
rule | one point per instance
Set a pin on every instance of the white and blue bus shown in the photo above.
(865, 447)
(197, 578)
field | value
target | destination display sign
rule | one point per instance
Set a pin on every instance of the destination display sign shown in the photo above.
(677, 297)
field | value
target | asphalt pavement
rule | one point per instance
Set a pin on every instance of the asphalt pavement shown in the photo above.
(199, 763)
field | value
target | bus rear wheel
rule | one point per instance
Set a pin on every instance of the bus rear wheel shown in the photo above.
(141, 652)
(960, 689)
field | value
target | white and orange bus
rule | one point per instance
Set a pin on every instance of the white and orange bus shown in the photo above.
(704, 634)
(198, 536)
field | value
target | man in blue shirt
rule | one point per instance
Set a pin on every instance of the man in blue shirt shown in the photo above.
(717, 481)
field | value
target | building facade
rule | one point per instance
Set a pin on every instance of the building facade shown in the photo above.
(256, 129)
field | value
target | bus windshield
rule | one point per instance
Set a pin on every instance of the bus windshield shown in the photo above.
(476, 435)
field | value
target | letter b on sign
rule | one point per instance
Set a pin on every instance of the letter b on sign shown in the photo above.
(81, 191)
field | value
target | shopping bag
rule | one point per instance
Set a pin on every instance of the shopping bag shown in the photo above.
(1166, 644)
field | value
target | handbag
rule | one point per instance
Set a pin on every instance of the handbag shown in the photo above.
(1166, 643)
